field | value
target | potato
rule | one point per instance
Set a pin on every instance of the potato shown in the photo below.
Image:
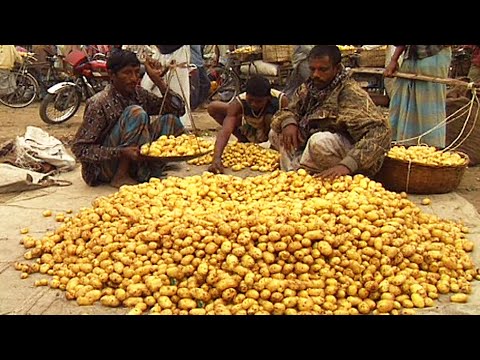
(226, 283)
(110, 301)
(197, 312)
(385, 306)
(164, 302)
(187, 304)
(168, 290)
(418, 300)
(132, 301)
(459, 298)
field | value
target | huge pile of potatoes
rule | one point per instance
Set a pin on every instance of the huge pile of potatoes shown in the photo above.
(279, 243)
(239, 156)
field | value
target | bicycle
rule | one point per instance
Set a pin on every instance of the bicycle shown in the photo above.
(48, 74)
(226, 82)
(26, 86)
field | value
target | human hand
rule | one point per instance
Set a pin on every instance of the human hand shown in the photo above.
(216, 167)
(290, 137)
(131, 152)
(154, 68)
(334, 172)
(390, 69)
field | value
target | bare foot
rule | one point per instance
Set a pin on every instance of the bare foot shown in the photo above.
(118, 181)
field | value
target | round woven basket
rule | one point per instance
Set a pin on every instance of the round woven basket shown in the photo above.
(414, 178)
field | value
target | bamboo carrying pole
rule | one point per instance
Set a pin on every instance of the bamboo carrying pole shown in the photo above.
(447, 81)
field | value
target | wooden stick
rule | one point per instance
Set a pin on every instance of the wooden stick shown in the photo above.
(379, 71)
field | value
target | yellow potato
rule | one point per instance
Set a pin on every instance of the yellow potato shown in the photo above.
(459, 298)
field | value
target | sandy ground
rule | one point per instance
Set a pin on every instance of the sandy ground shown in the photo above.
(23, 210)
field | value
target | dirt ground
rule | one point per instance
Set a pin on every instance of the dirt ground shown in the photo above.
(14, 122)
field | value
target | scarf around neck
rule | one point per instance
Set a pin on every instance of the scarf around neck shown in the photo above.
(316, 97)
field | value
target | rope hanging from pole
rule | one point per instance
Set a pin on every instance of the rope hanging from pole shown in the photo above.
(447, 81)
(172, 69)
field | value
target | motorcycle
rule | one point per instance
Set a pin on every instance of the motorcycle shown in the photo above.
(63, 99)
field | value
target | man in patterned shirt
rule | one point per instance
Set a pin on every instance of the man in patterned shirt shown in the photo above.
(117, 122)
(331, 126)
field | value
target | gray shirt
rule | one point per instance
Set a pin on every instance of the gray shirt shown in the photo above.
(300, 53)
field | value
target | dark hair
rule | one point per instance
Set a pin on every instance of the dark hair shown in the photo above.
(258, 86)
(332, 51)
(118, 59)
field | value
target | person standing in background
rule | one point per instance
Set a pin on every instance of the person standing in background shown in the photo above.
(388, 82)
(177, 77)
(63, 51)
(222, 54)
(199, 81)
(390, 49)
(300, 72)
(418, 108)
(8, 57)
(42, 52)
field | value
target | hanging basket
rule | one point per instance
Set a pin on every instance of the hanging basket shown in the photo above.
(414, 178)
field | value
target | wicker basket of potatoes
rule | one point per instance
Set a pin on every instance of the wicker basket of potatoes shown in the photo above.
(422, 170)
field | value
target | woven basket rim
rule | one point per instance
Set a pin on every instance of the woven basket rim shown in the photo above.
(462, 154)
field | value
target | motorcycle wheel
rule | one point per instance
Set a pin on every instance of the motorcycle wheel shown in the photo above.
(24, 94)
(58, 108)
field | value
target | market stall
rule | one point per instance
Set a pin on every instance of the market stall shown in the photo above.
(272, 61)
(362, 59)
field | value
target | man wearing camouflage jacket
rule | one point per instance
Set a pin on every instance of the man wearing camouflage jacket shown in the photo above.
(331, 126)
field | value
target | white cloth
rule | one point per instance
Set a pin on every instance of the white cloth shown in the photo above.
(323, 151)
(260, 67)
(14, 179)
(37, 145)
(179, 78)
